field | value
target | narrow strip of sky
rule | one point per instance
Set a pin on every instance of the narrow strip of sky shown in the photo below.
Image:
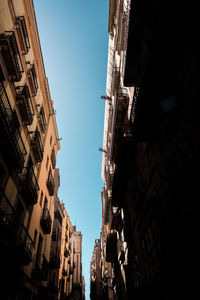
(74, 42)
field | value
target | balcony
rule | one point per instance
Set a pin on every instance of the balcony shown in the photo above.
(24, 104)
(29, 186)
(111, 246)
(146, 114)
(23, 246)
(50, 184)
(120, 120)
(11, 56)
(116, 219)
(7, 219)
(53, 158)
(122, 95)
(123, 27)
(32, 78)
(36, 146)
(109, 172)
(120, 251)
(23, 34)
(12, 146)
(40, 271)
(42, 120)
(46, 221)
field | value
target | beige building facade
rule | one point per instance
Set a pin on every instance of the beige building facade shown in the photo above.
(29, 143)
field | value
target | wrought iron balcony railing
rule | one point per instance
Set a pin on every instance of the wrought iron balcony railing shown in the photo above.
(46, 221)
(53, 158)
(50, 184)
(120, 119)
(123, 38)
(13, 147)
(23, 245)
(24, 104)
(7, 219)
(29, 186)
(23, 34)
(33, 80)
(36, 146)
(40, 271)
(11, 55)
(13, 235)
(42, 120)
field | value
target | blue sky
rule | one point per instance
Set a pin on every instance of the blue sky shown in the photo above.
(74, 41)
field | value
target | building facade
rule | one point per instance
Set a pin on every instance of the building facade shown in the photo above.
(77, 263)
(150, 151)
(95, 272)
(29, 144)
(35, 229)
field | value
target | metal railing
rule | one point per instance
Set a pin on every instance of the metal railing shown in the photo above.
(5, 107)
(29, 185)
(23, 34)
(25, 104)
(10, 122)
(25, 243)
(134, 104)
(33, 80)
(11, 55)
(50, 184)
(42, 120)
(7, 214)
(36, 146)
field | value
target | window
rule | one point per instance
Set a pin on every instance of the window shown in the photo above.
(51, 140)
